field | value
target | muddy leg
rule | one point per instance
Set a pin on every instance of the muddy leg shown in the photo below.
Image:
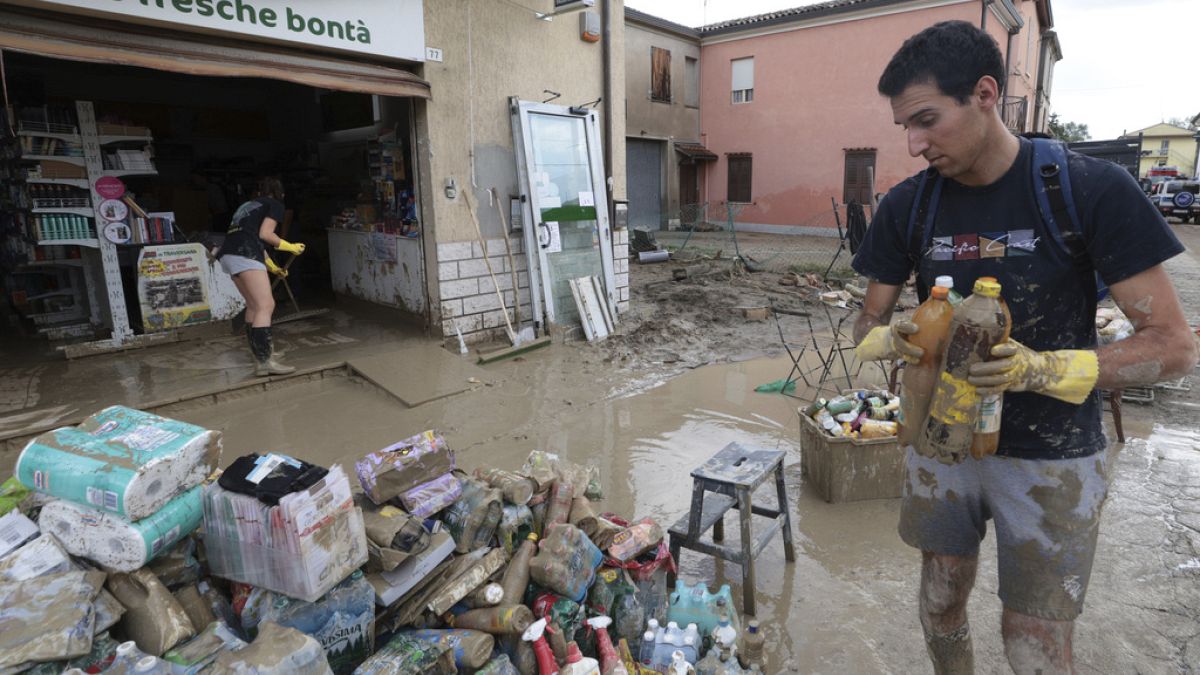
(1035, 645)
(946, 583)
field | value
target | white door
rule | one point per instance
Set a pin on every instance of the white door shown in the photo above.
(563, 188)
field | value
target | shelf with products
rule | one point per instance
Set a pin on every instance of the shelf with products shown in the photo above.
(85, 211)
(69, 159)
(90, 243)
(72, 137)
(112, 139)
(81, 183)
(51, 264)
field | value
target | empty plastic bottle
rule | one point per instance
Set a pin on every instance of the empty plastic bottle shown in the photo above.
(724, 635)
(646, 653)
(152, 665)
(126, 659)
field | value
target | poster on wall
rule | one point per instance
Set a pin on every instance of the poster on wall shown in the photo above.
(173, 286)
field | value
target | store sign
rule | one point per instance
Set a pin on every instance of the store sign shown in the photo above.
(394, 28)
(173, 286)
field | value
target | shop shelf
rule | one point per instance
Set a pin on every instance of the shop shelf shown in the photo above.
(76, 182)
(90, 243)
(76, 210)
(129, 172)
(69, 159)
(70, 138)
(106, 139)
(47, 318)
(66, 262)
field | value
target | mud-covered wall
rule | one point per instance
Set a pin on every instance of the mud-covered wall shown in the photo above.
(492, 50)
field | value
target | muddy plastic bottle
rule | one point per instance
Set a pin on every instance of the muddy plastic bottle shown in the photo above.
(987, 430)
(566, 562)
(502, 620)
(751, 651)
(559, 509)
(516, 575)
(933, 329)
(979, 324)
(516, 488)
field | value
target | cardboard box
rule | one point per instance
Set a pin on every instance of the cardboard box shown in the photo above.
(848, 470)
(391, 586)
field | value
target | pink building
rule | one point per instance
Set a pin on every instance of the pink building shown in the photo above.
(789, 105)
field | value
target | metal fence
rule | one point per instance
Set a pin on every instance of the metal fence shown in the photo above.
(708, 232)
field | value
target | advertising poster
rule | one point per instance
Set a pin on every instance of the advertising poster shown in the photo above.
(173, 286)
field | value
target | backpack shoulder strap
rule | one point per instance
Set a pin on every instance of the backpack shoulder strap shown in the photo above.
(920, 218)
(1052, 185)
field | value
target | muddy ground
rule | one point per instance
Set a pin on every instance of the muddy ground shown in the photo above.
(648, 405)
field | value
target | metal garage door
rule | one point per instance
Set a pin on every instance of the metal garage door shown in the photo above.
(643, 166)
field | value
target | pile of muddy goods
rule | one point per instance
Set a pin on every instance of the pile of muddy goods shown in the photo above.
(123, 549)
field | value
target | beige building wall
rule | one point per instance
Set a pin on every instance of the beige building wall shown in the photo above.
(1167, 145)
(657, 120)
(491, 51)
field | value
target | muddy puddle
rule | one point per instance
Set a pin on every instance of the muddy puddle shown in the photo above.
(848, 603)
(645, 443)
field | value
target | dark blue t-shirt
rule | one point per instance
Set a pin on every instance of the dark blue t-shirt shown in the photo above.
(997, 230)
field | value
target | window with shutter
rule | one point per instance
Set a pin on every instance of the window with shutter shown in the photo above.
(742, 79)
(740, 170)
(660, 74)
(856, 183)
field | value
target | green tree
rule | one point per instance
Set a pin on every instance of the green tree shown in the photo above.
(1068, 132)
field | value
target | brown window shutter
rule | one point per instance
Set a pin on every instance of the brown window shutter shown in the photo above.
(660, 74)
(740, 172)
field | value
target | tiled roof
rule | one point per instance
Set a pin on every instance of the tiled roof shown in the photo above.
(658, 22)
(785, 15)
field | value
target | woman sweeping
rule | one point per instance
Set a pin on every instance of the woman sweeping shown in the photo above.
(244, 258)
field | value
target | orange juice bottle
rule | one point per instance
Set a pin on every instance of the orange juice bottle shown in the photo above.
(920, 378)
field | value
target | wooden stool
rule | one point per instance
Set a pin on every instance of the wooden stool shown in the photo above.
(733, 474)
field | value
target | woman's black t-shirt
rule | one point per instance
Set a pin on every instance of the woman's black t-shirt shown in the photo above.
(242, 236)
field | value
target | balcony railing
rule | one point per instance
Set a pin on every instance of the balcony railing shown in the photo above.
(1014, 112)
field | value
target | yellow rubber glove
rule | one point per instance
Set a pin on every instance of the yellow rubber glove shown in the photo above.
(275, 269)
(1067, 374)
(289, 247)
(888, 343)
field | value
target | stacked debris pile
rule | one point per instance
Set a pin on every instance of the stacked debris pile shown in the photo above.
(124, 549)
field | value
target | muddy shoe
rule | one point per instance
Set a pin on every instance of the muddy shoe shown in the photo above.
(263, 349)
(272, 367)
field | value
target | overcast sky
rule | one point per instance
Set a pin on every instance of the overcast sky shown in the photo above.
(1127, 64)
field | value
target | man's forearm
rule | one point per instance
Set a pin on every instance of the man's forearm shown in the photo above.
(864, 323)
(1147, 357)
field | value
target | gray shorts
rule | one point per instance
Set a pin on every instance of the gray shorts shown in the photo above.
(1046, 513)
(236, 264)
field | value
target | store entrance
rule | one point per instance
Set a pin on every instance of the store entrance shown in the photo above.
(185, 151)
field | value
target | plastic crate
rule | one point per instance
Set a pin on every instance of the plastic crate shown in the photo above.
(847, 469)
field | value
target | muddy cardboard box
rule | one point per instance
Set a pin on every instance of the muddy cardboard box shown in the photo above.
(849, 470)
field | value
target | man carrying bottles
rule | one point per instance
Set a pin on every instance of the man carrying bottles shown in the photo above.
(1046, 484)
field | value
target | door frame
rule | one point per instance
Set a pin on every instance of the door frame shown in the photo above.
(539, 271)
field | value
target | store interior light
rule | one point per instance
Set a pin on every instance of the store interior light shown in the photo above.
(573, 7)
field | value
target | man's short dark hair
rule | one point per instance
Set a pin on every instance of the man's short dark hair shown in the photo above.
(951, 54)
